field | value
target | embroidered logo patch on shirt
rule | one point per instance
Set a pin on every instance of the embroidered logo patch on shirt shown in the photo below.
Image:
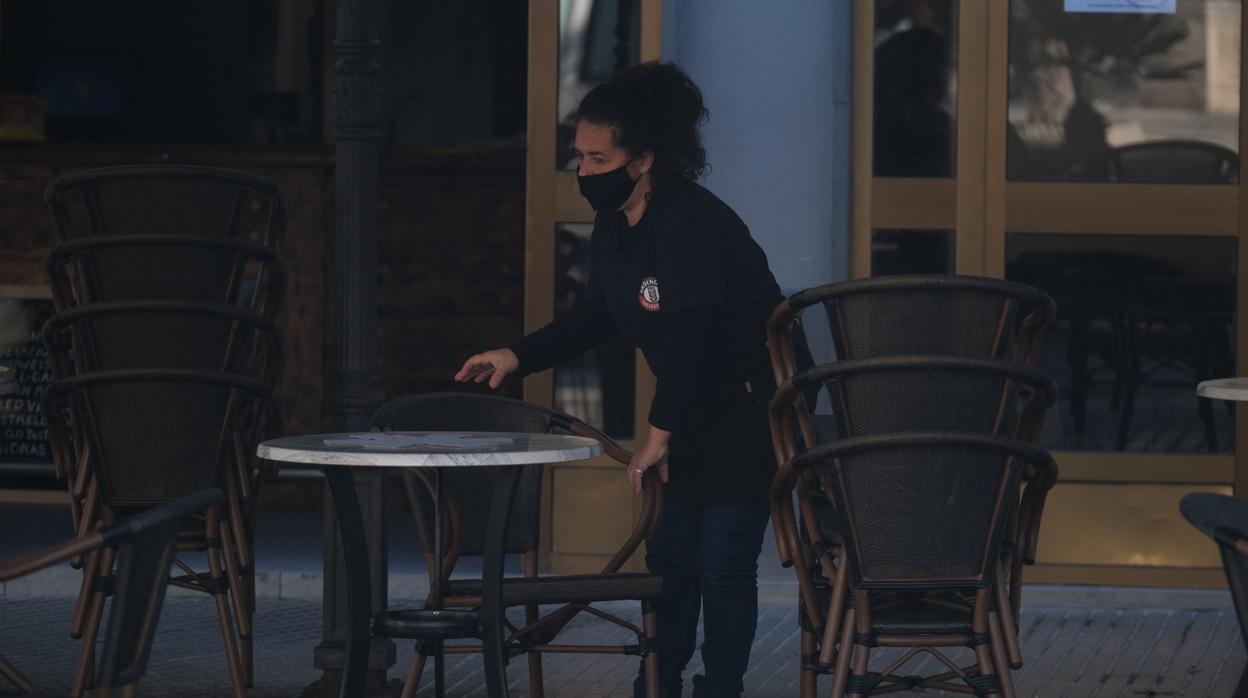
(649, 295)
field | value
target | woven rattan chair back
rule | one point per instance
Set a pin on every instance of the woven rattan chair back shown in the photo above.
(154, 434)
(922, 509)
(166, 267)
(467, 489)
(917, 393)
(182, 200)
(163, 334)
(947, 315)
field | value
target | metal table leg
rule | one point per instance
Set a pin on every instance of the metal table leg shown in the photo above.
(355, 551)
(439, 647)
(493, 626)
(432, 624)
(355, 557)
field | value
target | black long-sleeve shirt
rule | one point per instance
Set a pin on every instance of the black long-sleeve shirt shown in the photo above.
(689, 286)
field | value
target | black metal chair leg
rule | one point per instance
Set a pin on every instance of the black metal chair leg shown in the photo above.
(492, 623)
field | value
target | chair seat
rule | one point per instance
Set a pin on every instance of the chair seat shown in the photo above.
(579, 588)
(895, 615)
(427, 624)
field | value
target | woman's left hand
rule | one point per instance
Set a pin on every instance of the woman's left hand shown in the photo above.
(652, 455)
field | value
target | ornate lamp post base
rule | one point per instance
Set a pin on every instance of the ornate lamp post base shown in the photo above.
(355, 392)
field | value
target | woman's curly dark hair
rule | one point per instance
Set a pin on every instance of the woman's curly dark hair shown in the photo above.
(652, 106)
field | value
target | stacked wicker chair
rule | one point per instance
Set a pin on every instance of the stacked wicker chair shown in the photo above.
(919, 496)
(165, 353)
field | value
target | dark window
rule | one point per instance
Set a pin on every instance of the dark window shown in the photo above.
(899, 251)
(1141, 320)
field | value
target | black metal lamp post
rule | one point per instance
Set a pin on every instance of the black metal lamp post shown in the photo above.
(355, 391)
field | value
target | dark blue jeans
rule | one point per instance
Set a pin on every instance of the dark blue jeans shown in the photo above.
(708, 558)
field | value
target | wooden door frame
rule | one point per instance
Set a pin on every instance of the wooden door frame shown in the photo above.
(551, 198)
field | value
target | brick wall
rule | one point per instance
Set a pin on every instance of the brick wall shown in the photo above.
(451, 263)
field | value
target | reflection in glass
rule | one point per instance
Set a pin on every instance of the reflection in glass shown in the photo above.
(896, 251)
(597, 38)
(1104, 97)
(597, 386)
(915, 92)
(1141, 320)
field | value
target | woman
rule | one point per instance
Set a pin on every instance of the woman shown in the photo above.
(676, 271)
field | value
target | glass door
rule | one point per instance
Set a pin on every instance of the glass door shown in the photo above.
(1094, 155)
(573, 46)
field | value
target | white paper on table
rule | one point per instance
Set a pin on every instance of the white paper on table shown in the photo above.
(394, 442)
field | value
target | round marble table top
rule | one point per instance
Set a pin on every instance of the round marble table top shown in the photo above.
(428, 449)
(1224, 388)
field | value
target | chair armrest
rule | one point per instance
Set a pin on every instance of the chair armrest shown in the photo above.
(1033, 329)
(612, 449)
(1032, 419)
(651, 509)
(783, 518)
(25, 563)
(784, 418)
(1031, 509)
(780, 341)
(651, 495)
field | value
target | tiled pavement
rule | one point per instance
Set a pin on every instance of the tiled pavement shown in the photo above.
(1078, 641)
(1070, 652)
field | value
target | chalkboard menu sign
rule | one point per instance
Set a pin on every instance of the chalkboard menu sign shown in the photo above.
(23, 428)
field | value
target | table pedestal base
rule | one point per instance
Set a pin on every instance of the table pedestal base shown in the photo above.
(328, 658)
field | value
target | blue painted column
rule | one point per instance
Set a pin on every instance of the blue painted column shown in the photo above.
(776, 78)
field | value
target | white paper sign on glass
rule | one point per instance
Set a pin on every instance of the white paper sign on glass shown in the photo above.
(1157, 7)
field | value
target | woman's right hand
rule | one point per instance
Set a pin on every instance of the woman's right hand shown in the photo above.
(494, 364)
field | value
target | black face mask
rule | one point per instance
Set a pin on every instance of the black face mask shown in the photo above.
(607, 191)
